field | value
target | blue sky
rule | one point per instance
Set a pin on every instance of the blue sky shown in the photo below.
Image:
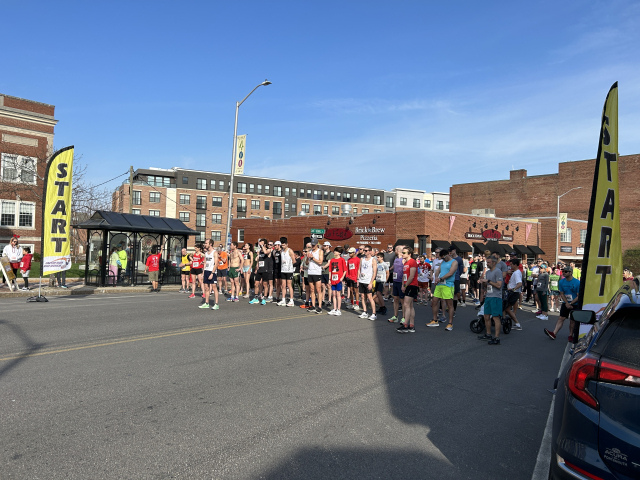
(380, 94)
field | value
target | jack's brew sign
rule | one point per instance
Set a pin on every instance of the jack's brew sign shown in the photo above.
(369, 234)
(338, 234)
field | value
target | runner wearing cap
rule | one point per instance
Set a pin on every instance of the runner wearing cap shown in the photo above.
(326, 285)
(353, 267)
(316, 257)
(389, 256)
(366, 277)
(569, 289)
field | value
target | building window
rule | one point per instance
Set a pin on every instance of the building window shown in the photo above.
(368, 198)
(158, 181)
(377, 211)
(447, 205)
(241, 234)
(365, 210)
(294, 192)
(259, 189)
(403, 202)
(317, 209)
(201, 183)
(154, 213)
(427, 204)
(332, 195)
(137, 197)
(201, 201)
(201, 220)
(277, 208)
(255, 204)
(362, 198)
(154, 197)
(277, 191)
(252, 188)
(267, 204)
(325, 210)
(220, 184)
(216, 218)
(388, 202)
(339, 196)
(566, 236)
(185, 199)
(286, 191)
(212, 184)
(346, 196)
(216, 235)
(18, 169)
(335, 210)
(293, 208)
(242, 205)
(184, 217)
(416, 203)
(267, 189)
(317, 195)
(355, 210)
(439, 205)
(308, 193)
(185, 180)
(326, 195)
(583, 236)
(304, 208)
(216, 201)
(241, 188)
(8, 215)
(135, 211)
(377, 200)
(286, 208)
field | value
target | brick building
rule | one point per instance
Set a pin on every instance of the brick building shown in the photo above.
(26, 142)
(200, 199)
(423, 230)
(536, 197)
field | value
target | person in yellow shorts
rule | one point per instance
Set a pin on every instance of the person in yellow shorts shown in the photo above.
(445, 276)
(185, 270)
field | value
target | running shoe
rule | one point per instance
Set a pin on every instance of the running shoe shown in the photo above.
(449, 328)
(269, 299)
(192, 296)
(255, 301)
(263, 302)
(230, 299)
(402, 329)
(494, 341)
(403, 321)
(486, 336)
(282, 303)
(236, 299)
(433, 323)
(291, 304)
(304, 305)
(318, 310)
(550, 334)
(517, 326)
(462, 304)
(349, 306)
(543, 317)
(539, 312)
(393, 319)
(373, 317)
(356, 307)
(411, 329)
(338, 313)
(215, 307)
(332, 312)
(204, 305)
(364, 315)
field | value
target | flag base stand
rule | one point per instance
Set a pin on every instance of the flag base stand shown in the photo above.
(40, 297)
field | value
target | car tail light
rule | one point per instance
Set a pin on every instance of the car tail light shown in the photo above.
(612, 372)
(581, 372)
(581, 471)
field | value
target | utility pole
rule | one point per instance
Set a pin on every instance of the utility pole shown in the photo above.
(130, 189)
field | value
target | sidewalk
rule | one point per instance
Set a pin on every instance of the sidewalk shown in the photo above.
(78, 287)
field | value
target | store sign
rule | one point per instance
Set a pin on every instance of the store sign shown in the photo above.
(488, 235)
(580, 251)
(367, 230)
(566, 249)
(338, 234)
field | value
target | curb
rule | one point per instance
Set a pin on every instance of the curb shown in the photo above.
(54, 292)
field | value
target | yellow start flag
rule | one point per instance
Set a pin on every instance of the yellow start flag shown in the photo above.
(602, 265)
(56, 215)
(238, 164)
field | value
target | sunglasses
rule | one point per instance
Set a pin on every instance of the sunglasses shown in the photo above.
(367, 250)
(405, 253)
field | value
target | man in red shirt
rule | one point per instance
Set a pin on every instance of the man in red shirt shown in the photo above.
(337, 272)
(410, 290)
(353, 267)
(152, 267)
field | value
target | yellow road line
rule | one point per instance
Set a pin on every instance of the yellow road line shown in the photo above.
(148, 337)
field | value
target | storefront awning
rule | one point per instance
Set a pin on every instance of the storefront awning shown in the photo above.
(479, 247)
(406, 242)
(522, 250)
(536, 250)
(462, 246)
(440, 244)
(128, 222)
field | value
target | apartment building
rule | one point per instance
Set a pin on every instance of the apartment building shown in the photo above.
(419, 199)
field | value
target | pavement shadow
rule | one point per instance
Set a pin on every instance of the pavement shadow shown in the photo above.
(29, 346)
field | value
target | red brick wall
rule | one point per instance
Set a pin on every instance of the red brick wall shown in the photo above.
(536, 196)
(30, 106)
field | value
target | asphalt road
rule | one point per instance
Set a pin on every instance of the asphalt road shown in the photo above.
(150, 387)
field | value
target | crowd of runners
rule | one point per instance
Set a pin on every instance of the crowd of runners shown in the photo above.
(324, 278)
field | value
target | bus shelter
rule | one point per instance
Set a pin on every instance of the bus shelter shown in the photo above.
(109, 234)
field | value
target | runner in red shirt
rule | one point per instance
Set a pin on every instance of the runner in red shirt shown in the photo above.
(152, 267)
(337, 272)
(353, 267)
(197, 264)
(410, 289)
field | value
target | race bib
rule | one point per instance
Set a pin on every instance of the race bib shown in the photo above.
(569, 297)
(220, 262)
(334, 277)
(260, 264)
(463, 286)
(277, 259)
(554, 283)
(529, 278)
(404, 277)
(489, 288)
(395, 276)
(352, 266)
(362, 276)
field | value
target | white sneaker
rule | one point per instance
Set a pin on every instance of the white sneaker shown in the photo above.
(373, 317)
(543, 317)
(282, 303)
(356, 307)
(338, 313)
(291, 304)
(349, 306)
(364, 315)
(332, 312)
(462, 304)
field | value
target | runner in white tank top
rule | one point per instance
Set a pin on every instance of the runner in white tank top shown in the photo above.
(366, 270)
(286, 273)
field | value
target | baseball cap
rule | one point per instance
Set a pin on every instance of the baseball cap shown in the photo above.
(452, 248)
(352, 250)
(514, 254)
(567, 269)
(327, 244)
(314, 241)
(278, 242)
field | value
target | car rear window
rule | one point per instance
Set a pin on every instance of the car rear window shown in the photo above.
(624, 344)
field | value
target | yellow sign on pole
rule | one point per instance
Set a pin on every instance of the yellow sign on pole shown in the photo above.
(56, 218)
(241, 144)
(602, 265)
(562, 223)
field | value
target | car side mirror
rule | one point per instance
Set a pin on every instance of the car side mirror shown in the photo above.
(587, 317)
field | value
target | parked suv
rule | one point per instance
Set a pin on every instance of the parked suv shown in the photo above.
(596, 420)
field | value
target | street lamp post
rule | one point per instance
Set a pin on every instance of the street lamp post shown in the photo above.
(558, 222)
(233, 158)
